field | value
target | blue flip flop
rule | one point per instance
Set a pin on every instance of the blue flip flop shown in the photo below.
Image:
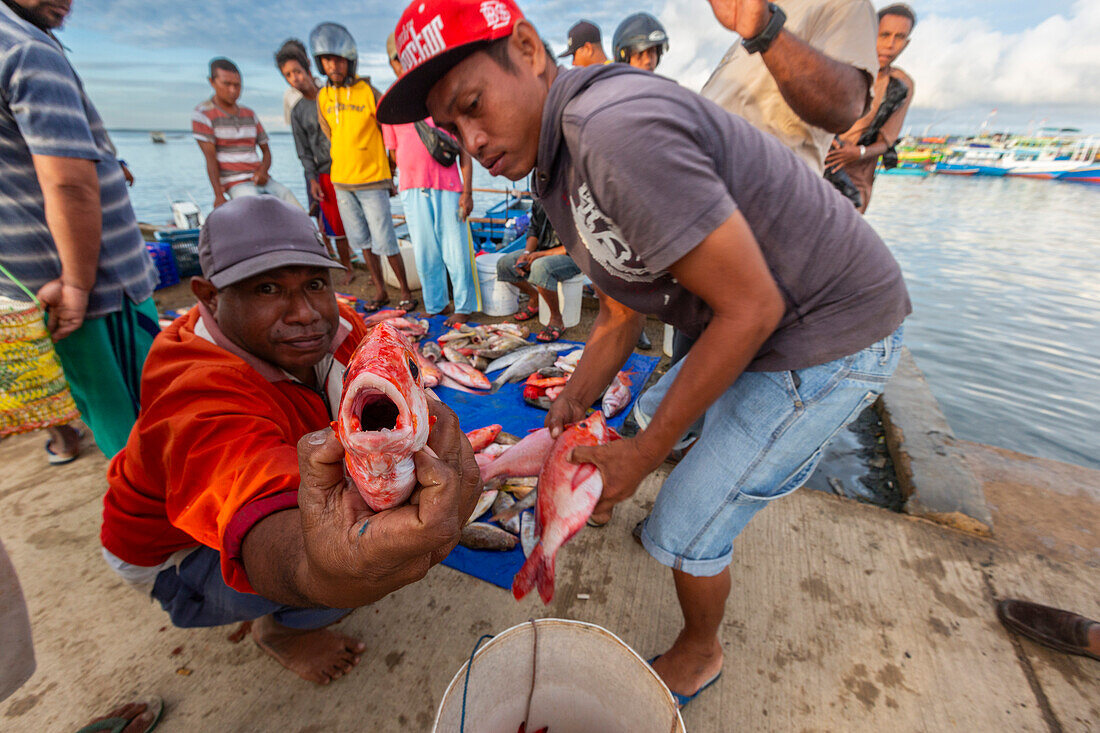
(683, 700)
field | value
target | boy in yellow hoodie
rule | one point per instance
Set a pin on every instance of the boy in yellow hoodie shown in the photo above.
(361, 169)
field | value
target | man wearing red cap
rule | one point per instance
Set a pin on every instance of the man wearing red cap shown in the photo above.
(711, 225)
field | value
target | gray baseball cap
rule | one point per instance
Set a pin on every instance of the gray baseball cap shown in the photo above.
(253, 234)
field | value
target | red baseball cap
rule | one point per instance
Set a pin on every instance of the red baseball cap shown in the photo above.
(432, 37)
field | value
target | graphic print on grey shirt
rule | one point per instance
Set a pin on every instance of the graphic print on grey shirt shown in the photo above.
(635, 171)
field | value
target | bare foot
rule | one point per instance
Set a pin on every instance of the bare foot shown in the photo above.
(456, 319)
(137, 713)
(685, 668)
(349, 278)
(319, 655)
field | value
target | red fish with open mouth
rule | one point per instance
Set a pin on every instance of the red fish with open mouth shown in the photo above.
(383, 417)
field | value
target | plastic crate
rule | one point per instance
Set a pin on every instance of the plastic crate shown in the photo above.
(165, 262)
(185, 248)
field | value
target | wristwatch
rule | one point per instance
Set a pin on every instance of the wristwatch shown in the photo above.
(862, 152)
(763, 40)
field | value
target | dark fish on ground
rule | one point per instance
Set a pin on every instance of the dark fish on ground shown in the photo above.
(482, 536)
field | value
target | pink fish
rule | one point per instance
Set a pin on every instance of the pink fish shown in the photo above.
(525, 458)
(383, 417)
(567, 494)
(465, 375)
(410, 326)
(617, 395)
(375, 318)
(482, 438)
(430, 376)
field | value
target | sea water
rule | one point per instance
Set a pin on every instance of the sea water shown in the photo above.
(1004, 275)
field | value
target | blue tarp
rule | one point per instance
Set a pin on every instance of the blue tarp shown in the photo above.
(507, 408)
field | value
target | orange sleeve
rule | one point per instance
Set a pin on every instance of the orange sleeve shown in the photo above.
(229, 447)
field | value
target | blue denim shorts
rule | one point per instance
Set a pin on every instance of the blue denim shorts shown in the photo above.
(759, 441)
(368, 220)
(546, 272)
(195, 595)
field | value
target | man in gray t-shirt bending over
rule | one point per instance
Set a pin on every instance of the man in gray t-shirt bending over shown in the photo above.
(675, 207)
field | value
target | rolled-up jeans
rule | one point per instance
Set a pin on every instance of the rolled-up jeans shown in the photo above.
(195, 595)
(271, 188)
(760, 440)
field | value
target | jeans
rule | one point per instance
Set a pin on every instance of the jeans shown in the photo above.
(271, 188)
(546, 272)
(760, 440)
(441, 247)
(195, 595)
(368, 221)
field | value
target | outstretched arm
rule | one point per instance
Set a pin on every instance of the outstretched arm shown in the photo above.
(334, 551)
(822, 91)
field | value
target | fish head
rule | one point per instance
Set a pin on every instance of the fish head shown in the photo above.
(383, 406)
(595, 427)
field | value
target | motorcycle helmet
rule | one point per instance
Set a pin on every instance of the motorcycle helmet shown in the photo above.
(333, 39)
(637, 33)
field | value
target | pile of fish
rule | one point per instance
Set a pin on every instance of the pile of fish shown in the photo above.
(543, 386)
(563, 496)
(461, 357)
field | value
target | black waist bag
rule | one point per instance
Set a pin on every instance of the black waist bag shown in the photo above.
(441, 146)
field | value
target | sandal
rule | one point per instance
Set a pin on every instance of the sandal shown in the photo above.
(527, 313)
(370, 306)
(117, 724)
(408, 305)
(60, 459)
(550, 333)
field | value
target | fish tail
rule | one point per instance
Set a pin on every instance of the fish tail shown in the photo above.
(538, 571)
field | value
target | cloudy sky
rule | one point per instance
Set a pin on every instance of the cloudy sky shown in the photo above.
(144, 63)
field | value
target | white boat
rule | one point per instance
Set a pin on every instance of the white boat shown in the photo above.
(1052, 160)
(186, 214)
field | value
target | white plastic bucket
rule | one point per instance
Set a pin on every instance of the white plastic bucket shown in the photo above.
(578, 677)
(667, 347)
(569, 301)
(497, 298)
(407, 256)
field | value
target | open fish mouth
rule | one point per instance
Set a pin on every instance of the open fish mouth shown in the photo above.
(377, 413)
(376, 410)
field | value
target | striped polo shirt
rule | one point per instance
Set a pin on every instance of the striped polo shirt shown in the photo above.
(235, 139)
(44, 111)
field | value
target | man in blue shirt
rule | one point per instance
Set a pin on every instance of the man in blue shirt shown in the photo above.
(67, 230)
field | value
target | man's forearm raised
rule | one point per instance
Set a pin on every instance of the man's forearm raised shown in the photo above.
(822, 91)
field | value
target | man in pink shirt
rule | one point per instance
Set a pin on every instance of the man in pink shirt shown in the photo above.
(437, 201)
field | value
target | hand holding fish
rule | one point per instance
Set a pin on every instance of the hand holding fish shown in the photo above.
(349, 555)
(624, 463)
(565, 410)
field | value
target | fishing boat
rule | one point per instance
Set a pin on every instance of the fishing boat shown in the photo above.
(157, 137)
(1051, 158)
(905, 169)
(498, 227)
(1090, 174)
(973, 159)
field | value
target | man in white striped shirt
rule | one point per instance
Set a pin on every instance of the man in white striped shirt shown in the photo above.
(228, 135)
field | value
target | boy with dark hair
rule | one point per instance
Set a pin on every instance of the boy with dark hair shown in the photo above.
(313, 147)
(713, 226)
(857, 151)
(228, 134)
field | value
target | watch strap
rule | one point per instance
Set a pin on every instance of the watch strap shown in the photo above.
(763, 40)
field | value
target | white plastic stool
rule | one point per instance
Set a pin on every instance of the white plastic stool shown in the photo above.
(667, 348)
(569, 301)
